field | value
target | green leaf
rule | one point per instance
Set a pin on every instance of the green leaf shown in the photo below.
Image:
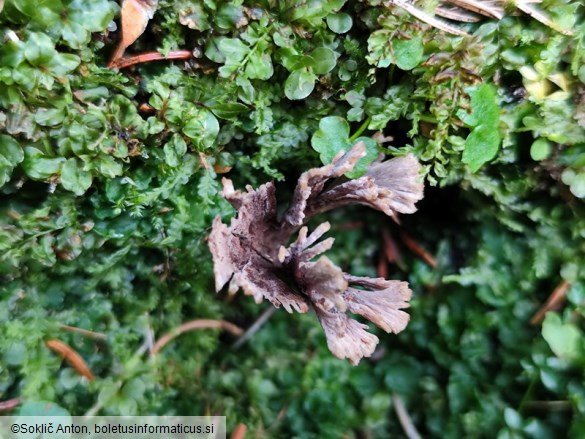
(408, 53)
(75, 35)
(233, 49)
(42, 408)
(299, 84)
(38, 166)
(174, 150)
(202, 128)
(259, 67)
(485, 109)
(564, 339)
(578, 185)
(372, 153)
(194, 16)
(483, 142)
(513, 418)
(63, 63)
(107, 166)
(229, 110)
(540, 149)
(339, 23)
(11, 53)
(481, 146)
(91, 15)
(11, 154)
(324, 60)
(49, 116)
(39, 49)
(74, 178)
(378, 49)
(230, 17)
(331, 137)
(212, 50)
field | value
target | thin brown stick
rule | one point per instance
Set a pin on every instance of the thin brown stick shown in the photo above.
(404, 418)
(116, 56)
(195, 324)
(71, 356)
(123, 63)
(239, 432)
(382, 268)
(415, 247)
(9, 404)
(91, 334)
(264, 317)
(554, 301)
(390, 247)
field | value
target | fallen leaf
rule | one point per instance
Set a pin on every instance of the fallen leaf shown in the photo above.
(135, 15)
(72, 357)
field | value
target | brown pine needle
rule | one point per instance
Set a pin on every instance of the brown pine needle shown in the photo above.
(91, 334)
(554, 301)
(123, 63)
(9, 404)
(70, 356)
(192, 325)
(415, 247)
(239, 432)
(382, 268)
(390, 248)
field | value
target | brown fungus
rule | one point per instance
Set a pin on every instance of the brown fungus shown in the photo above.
(252, 252)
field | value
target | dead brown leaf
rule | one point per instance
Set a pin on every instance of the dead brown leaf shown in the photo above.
(135, 15)
(71, 356)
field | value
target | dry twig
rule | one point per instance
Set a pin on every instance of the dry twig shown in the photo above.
(122, 63)
(255, 327)
(91, 334)
(416, 248)
(194, 324)
(554, 301)
(390, 248)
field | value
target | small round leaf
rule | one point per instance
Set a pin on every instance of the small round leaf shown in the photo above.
(299, 84)
(339, 23)
(324, 60)
(74, 178)
(540, 149)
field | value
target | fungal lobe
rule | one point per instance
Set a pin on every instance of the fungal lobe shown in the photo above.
(253, 253)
